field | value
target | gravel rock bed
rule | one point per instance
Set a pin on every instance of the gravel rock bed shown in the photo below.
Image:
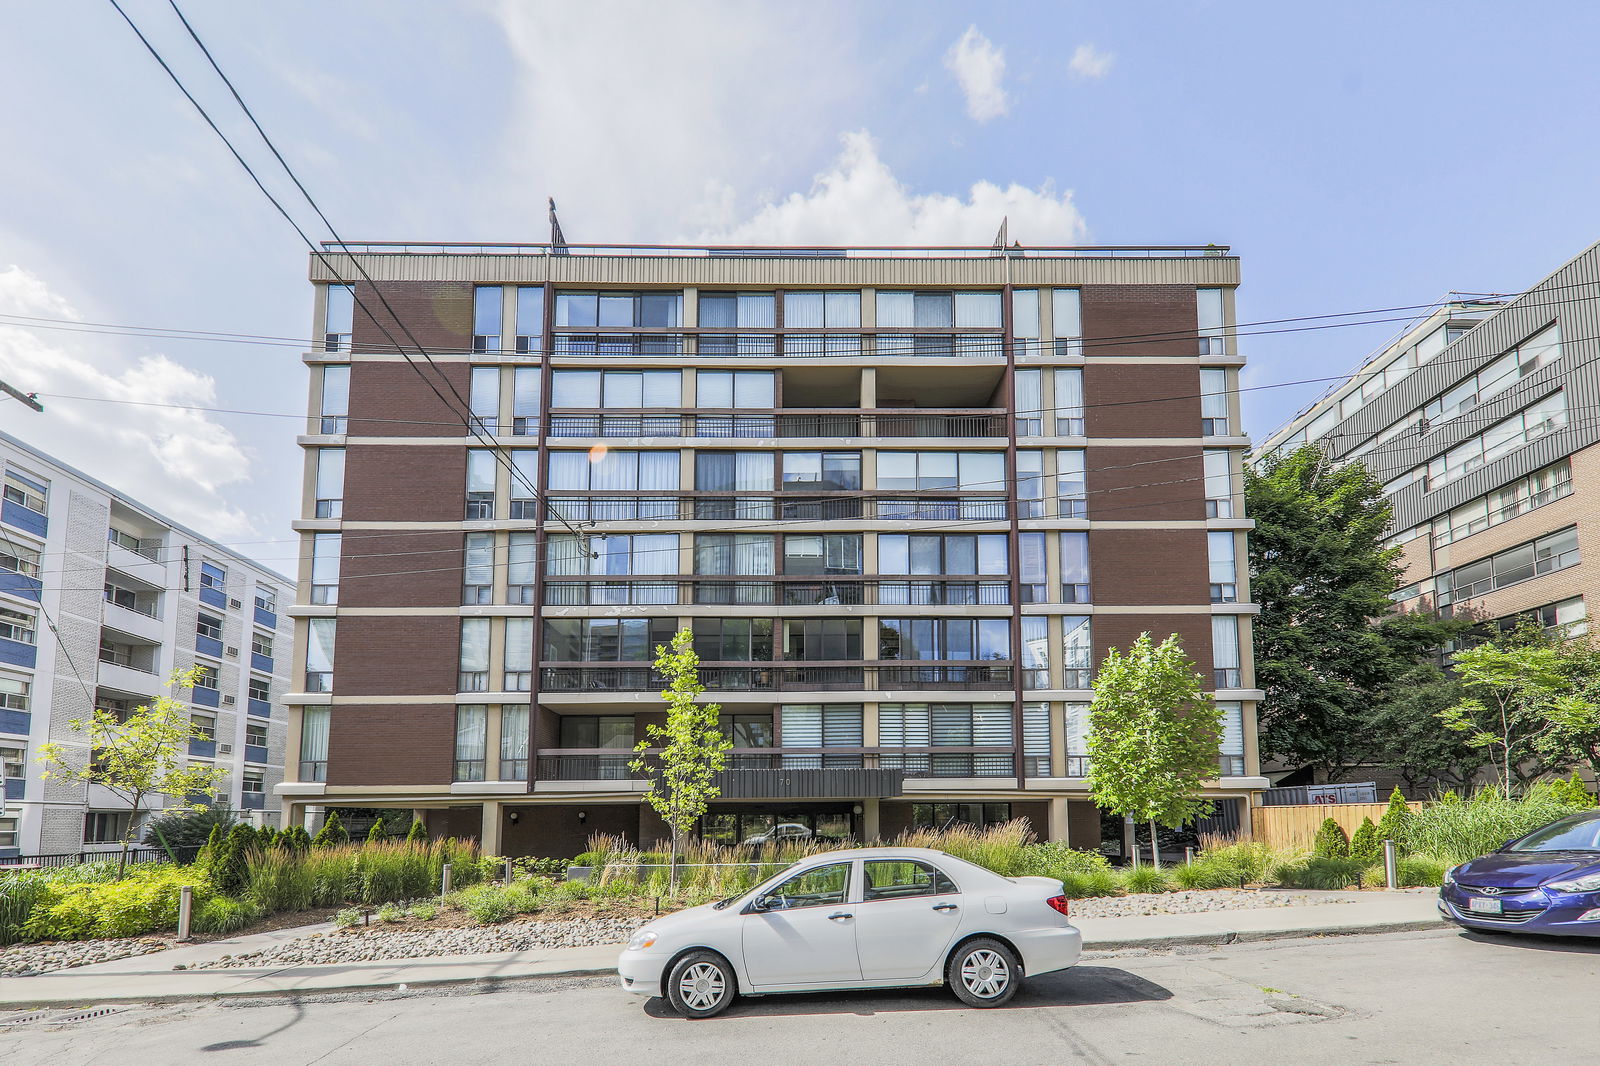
(378, 944)
(27, 960)
(1195, 901)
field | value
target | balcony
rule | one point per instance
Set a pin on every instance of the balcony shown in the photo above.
(127, 674)
(253, 801)
(214, 596)
(777, 591)
(798, 772)
(139, 617)
(255, 753)
(783, 676)
(16, 788)
(26, 519)
(574, 506)
(831, 423)
(204, 645)
(264, 617)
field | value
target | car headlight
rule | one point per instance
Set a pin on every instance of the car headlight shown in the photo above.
(644, 938)
(1450, 875)
(1586, 883)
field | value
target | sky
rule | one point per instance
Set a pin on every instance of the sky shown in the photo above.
(1371, 155)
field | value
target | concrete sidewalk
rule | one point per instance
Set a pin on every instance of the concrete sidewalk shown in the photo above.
(145, 978)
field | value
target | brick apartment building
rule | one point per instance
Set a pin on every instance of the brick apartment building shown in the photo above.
(906, 499)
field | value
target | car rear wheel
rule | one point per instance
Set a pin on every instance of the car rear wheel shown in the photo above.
(701, 985)
(983, 973)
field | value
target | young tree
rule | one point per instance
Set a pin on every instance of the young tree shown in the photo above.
(693, 748)
(332, 833)
(1396, 817)
(1154, 736)
(418, 833)
(139, 758)
(1522, 701)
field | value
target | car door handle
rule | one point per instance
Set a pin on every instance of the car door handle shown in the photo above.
(839, 916)
(944, 906)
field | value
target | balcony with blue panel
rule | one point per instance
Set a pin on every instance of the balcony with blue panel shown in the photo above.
(261, 708)
(255, 753)
(206, 697)
(15, 787)
(261, 662)
(214, 597)
(208, 646)
(203, 749)
(16, 723)
(21, 585)
(16, 653)
(266, 618)
(253, 801)
(14, 514)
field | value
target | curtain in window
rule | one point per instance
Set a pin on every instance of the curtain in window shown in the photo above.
(519, 644)
(568, 470)
(803, 310)
(1025, 313)
(982, 471)
(480, 470)
(330, 473)
(319, 644)
(513, 733)
(1031, 556)
(1225, 642)
(1221, 548)
(655, 553)
(474, 645)
(575, 388)
(753, 472)
(901, 725)
(472, 732)
(991, 724)
(314, 734)
(661, 388)
(1029, 401)
(1074, 558)
(614, 472)
(658, 471)
(1232, 727)
(478, 567)
(566, 557)
(520, 559)
(932, 310)
(1064, 310)
(1077, 648)
(1035, 730)
(525, 473)
(1069, 395)
(978, 310)
(895, 310)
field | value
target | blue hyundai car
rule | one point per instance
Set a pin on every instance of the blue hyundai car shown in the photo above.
(1546, 882)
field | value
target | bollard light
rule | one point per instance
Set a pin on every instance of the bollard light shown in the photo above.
(185, 911)
(1391, 870)
(444, 886)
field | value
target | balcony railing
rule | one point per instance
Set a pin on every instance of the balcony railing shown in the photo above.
(831, 423)
(777, 591)
(782, 676)
(574, 506)
(609, 764)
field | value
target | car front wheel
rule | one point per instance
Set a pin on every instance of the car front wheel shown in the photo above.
(983, 973)
(701, 985)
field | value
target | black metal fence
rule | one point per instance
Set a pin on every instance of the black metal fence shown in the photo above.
(76, 858)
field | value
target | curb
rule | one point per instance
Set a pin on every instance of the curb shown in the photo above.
(488, 984)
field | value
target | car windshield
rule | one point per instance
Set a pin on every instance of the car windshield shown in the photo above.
(1579, 833)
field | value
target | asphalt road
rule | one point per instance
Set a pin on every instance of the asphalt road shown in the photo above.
(1414, 998)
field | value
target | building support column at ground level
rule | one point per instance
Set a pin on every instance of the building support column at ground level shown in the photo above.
(869, 820)
(489, 836)
(1058, 820)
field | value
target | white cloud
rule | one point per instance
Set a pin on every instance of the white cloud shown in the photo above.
(1089, 62)
(176, 461)
(979, 68)
(858, 200)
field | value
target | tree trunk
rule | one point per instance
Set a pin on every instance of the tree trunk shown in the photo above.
(672, 876)
(1155, 846)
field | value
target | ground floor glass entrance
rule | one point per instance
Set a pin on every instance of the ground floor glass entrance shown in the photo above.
(831, 823)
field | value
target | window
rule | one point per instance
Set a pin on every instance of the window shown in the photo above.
(520, 568)
(820, 886)
(319, 654)
(480, 483)
(1531, 355)
(885, 879)
(1213, 402)
(335, 399)
(733, 472)
(1031, 491)
(123, 539)
(208, 626)
(13, 761)
(477, 569)
(514, 743)
(1075, 567)
(1550, 553)
(747, 730)
(213, 577)
(1067, 325)
(1036, 739)
(615, 471)
(822, 471)
(823, 639)
(472, 742)
(649, 310)
(1208, 307)
(1025, 321)
(105, 827)
(965, 471)
(1552, 483)
(1226, 665)
(944, 638)
(338, 317)
(484, 399)
(524, 479)
(616, 389)
(325, 567)
(938, 311)
(742, 310)
(255, 735)
(1231, 755)
(24, 491)
(530, 319)
(260, 689)
(822, 553)
(205, 677)
(932, 554)
(621, 554)
(1077, 657)
(735, 389)
(16, 559)
(330, 483)
(605, 639)
(474, 661)
(1028, 402)
(948, 725)
(17, 625)
(1224, 569)
(737, 640)
(822, 310)
(525, 387)
(486, 313)
(1500, 439)
(252, 783)
(518, 656)
(1218, 469)
(267, 599)
(14, 694)
(946, 815)
(1069, 401)
(733, 554)
(203, 727)
(313, 743)
(1568, 618)
(821, 725)
(1035, 652)
(597, 731)
(8, 832)
(1072, 490)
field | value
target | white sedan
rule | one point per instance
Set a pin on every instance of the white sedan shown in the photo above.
(864, 918)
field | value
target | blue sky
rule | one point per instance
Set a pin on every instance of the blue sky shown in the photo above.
(1363, 156)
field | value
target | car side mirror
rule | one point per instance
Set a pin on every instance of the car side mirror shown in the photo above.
(760, 904)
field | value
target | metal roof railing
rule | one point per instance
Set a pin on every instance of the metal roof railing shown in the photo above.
(863, 251)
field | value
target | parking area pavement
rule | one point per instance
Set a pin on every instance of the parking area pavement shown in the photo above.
(1438, 996)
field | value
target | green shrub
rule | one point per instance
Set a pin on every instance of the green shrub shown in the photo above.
(295, 838)
(1572, 791)
(211, 851)
(187, 829)
(1331, 843)
(418, 833)
(581, 889)
(230, 866)
(1364, 844)
(1084, 886)
(145, 901)
(332, 833)
(1420, 871)
(279, 881)
(348, 917)
(1455, 831)
(391, 912)
(24, 891)
(1396, 817)
(377, 832)
(486, 904)
(219, 914)
(1054, 859)
(552, 868)
(423, 912)
(1146, 879)
(1319, 872)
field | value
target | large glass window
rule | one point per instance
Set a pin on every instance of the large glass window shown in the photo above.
(1550, 553)
(613, 731)
(950, 815)
(822, 553)
(1025, 320)
(1224, 568)
(484, 399)
(823, 639)
(1214, 402)
(530, 319)
(1075, 567)
(472, 742)
(735, 389)
(822, 471)
(1067, 321)
(1208, 308)
(822, 725)
(966, 471)
(734, 472)
(474, 673)
(649, 310)
(481, 467)
(517, 658)
(335, 399)
(1226, 664)
(747, 730)
(1552, 483)
(525, 386)
(1077, 658)
(618, 389)
(313, 743)
(514, 743)
(1072, 490)
(1069, 401)
(733, 554)
(486, 316)
(822, 310)
(477, 576)
(319, 654)
(19, 626)
(937, 639)
(737, 310)
(602, 640)
(1028, 402)
(736, 640)
(1538, 351)
(1499, 439)
(339, 318)
(614, 471)
(1217, 465)
(521, 553)
(1231, 754)
(330, 483)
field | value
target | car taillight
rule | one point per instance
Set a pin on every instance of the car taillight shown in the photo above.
(1060, 903)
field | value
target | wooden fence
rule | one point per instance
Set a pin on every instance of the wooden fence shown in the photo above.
(1296, 826)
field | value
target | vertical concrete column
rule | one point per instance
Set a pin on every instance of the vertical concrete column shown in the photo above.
(1058, 744)
(489, 838)
(870, 819)
(1058, 819)
(869, 725)
(491, 744)
(869, 387)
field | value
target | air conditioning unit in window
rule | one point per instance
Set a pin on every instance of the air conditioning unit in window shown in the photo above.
(229, 701)
(234, 605)
(232, 653)
(224, 749)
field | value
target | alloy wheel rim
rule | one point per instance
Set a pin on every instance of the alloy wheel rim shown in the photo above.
(702, 986)
(985, 974)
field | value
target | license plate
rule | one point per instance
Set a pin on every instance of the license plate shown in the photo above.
(1484, 906)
